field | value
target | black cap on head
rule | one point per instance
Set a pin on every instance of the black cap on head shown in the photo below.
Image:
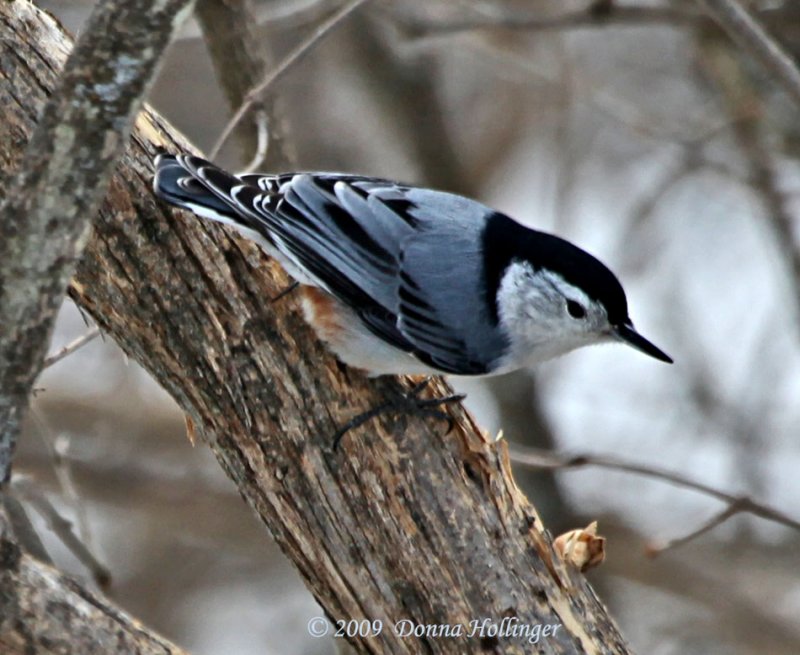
(505, 241)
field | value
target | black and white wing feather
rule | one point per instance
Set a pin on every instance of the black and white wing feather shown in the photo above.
(383, 249)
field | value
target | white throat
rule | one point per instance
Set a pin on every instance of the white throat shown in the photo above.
(532, 312)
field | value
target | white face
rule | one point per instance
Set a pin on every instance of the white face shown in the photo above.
(544, 316)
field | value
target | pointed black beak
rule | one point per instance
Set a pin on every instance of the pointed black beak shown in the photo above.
(626, 333)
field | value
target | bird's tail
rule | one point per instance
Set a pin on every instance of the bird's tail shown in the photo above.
(199, 186)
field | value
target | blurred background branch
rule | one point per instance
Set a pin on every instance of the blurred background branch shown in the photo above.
(743, 28)
(253, 97)
(71, 347)
(45, 216)
(548, 460)
(240, 59)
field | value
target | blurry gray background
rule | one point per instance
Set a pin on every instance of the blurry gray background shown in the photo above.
(659, 148)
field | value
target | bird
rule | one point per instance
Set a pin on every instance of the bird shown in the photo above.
(400, 279)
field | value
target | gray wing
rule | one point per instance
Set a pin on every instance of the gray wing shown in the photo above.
(416, 253)
(442, 298)
(345, 231)
(406, 260)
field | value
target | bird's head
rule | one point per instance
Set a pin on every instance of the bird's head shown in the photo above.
(553, 297)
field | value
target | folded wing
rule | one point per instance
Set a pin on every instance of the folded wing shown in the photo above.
(406, 260)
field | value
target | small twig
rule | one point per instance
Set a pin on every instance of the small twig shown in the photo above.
(542, 459)
(57, 446)
(71, 347)
(591, 16)
(261, 121)
(293, 57)
(743, 28)
(241, 56)
(653, 549)
(20, 524)
(62, 528)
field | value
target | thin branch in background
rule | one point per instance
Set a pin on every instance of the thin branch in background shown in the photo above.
(743, 28)
(746, 112)
(261, 121)
(57, 447)
(241, 56)
(275, 17)
(291, 15)
(639, 228)
(714, 589)
(593, 15)
(780, 220)
(15, 518)
(549, 461)
(62, 528)
(71, 347)
(744, 412)
(654, 549)
(254, 95)
(586, 89)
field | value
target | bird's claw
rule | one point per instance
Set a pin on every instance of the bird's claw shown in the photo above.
(409, 403)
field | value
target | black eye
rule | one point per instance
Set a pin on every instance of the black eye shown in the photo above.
(575, 309)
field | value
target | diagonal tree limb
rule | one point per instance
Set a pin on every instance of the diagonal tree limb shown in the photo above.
(45, 219)
(45, 612)
(404, 522)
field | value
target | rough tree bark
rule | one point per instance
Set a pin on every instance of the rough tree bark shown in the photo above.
(46, 215)
(44, 222)
(404, 521)
(43, 611)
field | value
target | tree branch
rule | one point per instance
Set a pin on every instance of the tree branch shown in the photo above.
(25, 488)
(735, 504)
(255, 94)
(403, 522)
(595, 14)
(45, 219)
(76, 344)
(240, 58)
(43, 611)
(747, 113)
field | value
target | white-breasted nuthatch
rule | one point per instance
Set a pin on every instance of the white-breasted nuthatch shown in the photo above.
(405, 280)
